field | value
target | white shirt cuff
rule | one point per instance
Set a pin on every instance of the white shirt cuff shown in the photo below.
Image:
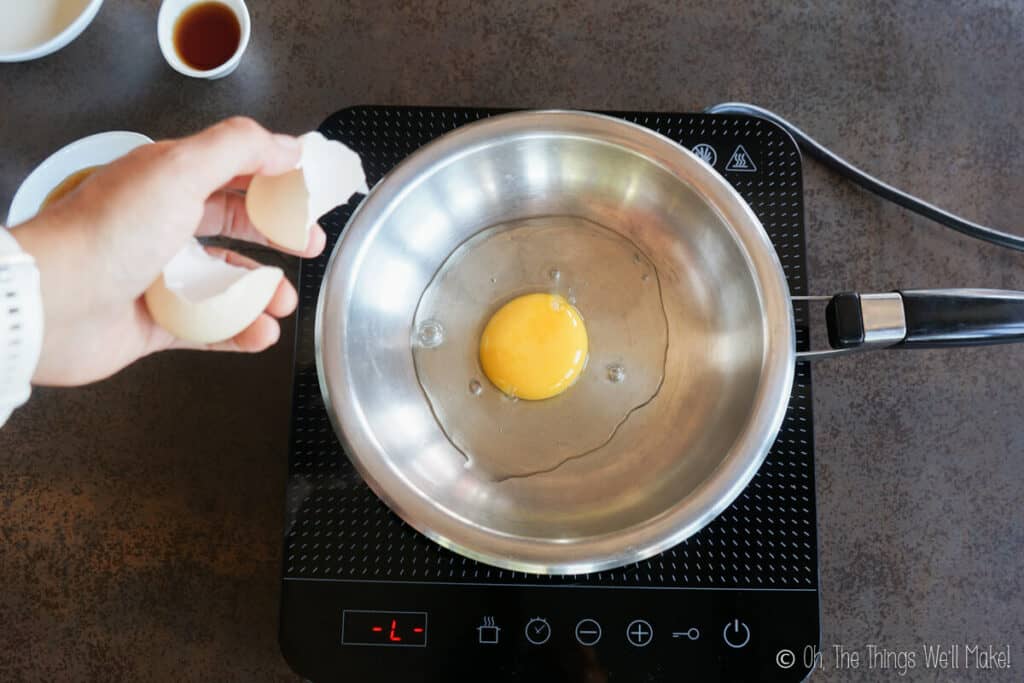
(21, 324)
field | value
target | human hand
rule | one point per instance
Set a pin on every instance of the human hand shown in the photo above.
(102, 246)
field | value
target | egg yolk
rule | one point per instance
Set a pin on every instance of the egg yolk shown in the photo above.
(534, 347)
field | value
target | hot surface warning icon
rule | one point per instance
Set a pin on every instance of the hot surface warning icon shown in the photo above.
(740, 161)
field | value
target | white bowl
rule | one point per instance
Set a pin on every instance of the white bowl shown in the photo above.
(30, 29)
(171, 10)
(94, 150)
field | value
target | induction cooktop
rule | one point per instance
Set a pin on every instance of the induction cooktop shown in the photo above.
(367, 598)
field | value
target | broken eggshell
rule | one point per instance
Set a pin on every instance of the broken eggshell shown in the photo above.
(203, 299)
(284, 207)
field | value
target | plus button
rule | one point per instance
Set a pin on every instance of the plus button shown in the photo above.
(639, 633)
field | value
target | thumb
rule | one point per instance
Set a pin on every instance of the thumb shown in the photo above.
(234, 147)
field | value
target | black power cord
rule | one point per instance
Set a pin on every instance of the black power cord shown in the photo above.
(825, 156)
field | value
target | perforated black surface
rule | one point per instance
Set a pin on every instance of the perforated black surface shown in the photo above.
(337, 528)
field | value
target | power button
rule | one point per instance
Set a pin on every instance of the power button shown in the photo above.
(736, 634)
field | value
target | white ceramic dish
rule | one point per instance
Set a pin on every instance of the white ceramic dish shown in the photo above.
(171, 10)
(30, 29)
(94, 150)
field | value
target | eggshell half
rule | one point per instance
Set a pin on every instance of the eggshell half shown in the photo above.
(203, 299)
(284, 207)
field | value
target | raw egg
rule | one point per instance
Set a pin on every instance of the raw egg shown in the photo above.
(536, 340)
(534, 347)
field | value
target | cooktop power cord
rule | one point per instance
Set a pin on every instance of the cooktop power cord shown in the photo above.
(825, 156)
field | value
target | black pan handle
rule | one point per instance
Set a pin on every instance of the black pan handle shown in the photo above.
(962, 317)
(921, 318)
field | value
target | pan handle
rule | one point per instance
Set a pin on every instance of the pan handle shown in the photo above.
(920, 318)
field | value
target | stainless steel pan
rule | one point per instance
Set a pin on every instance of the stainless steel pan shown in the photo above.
(684, 457)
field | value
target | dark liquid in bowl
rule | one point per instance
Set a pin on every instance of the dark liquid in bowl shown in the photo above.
(68, 185)
(206, 35)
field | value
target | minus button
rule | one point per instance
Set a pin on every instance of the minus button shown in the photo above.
(588, 632)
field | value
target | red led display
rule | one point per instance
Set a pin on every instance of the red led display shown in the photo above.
(371, 627)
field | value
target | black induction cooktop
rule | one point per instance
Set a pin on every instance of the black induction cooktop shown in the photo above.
(367, 598)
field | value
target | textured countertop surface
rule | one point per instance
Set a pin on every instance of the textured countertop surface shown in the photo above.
(140, 518)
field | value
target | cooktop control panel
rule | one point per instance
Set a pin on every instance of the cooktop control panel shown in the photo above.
(341, 631)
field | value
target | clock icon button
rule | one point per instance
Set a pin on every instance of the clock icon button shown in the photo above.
(538, 631)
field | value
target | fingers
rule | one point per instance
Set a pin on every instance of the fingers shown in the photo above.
(261, 335)
(317, 242)
(224, 215)
(239, 183)
(235, 147)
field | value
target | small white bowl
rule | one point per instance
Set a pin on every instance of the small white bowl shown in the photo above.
(30, 29)
(94, 150)
(170, 10)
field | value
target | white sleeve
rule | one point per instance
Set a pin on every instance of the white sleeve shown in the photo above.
(21, 324)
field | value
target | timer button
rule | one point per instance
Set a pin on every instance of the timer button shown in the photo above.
(538, 630)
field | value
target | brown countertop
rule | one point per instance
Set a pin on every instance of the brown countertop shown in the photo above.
(141, 518)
